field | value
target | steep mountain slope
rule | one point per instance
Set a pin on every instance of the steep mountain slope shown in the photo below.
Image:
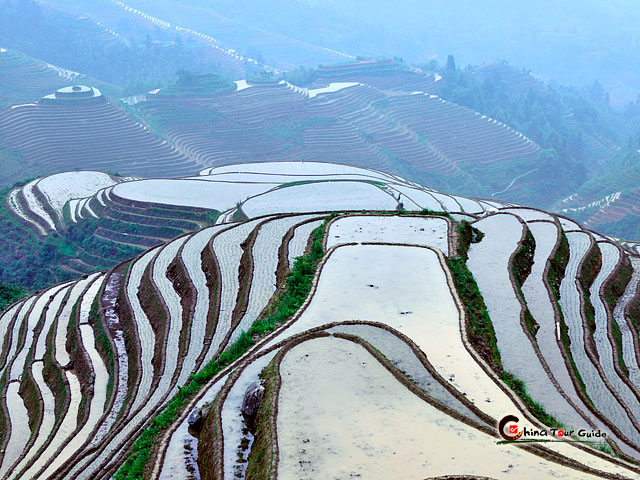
(87, 364)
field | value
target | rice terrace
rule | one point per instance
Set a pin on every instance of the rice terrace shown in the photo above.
(235, 248)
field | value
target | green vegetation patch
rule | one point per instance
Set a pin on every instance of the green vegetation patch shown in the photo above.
(535, 408)
(521, 266)
(261, 463)
(481, 333)
(617, 339)
(33, 262)
(591, 265)
(193, 83)
(3, 418)
(296, 290)
(10, 294)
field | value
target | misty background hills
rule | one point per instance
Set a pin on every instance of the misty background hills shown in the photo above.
(571, 42)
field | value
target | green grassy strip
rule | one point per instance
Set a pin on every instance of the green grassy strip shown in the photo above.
(521, 268)
(617, 338)
(534, 407)
(481, 332)
(298, 286)
(437, 213)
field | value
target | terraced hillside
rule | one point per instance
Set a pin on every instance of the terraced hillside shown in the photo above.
(373, 114)
(78, 128)
(79, 222)
(257, 346)
(232, 41)
(610, 203)
(25, 79)
(517, 82)
(52, 232)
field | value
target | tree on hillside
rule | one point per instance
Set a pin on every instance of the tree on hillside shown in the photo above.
(451, 63)
(9, 294)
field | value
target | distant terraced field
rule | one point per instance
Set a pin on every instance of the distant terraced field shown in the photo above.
(258, 346)
(25, 79)
(611, 203)
(78, 128)
(375, 114)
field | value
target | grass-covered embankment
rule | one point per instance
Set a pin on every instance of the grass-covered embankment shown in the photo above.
(521, 265)
(480, 329)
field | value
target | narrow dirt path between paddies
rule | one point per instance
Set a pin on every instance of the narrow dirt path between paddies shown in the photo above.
(405, 359)
(529, 214)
